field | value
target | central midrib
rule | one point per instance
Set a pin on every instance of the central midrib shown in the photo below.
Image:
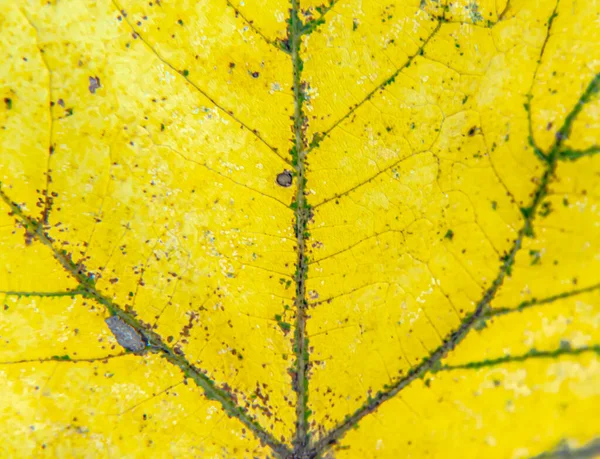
(301, 217)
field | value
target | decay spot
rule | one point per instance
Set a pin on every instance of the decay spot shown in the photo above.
(474, 13)
(94, 84)
(126, 335)
(284, 179)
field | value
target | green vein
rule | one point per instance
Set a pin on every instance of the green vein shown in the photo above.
(571, 155)
(538, 302)
(529, 96)
(532, 354)
(565, 131)
(19, 293)
(453, 339)
(184, 74)
(313, 24)
(65, 358)
(318, 137)
(302, 213)
(154, 342)
(589, 450)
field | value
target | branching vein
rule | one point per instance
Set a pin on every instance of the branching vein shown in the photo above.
(153, 340)
(227, 112)
(482, 308)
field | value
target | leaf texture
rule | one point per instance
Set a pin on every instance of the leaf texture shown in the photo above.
(300, 229)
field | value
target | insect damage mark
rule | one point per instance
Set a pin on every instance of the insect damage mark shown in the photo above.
(284, 179)
(125, 334)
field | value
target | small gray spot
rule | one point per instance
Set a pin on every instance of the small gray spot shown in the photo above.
(94, 84)
(126, 335)
(284, 179)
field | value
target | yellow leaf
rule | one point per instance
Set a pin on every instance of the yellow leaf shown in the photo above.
(299, 229)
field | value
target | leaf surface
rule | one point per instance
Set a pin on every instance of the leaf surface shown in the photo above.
(427, 284)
